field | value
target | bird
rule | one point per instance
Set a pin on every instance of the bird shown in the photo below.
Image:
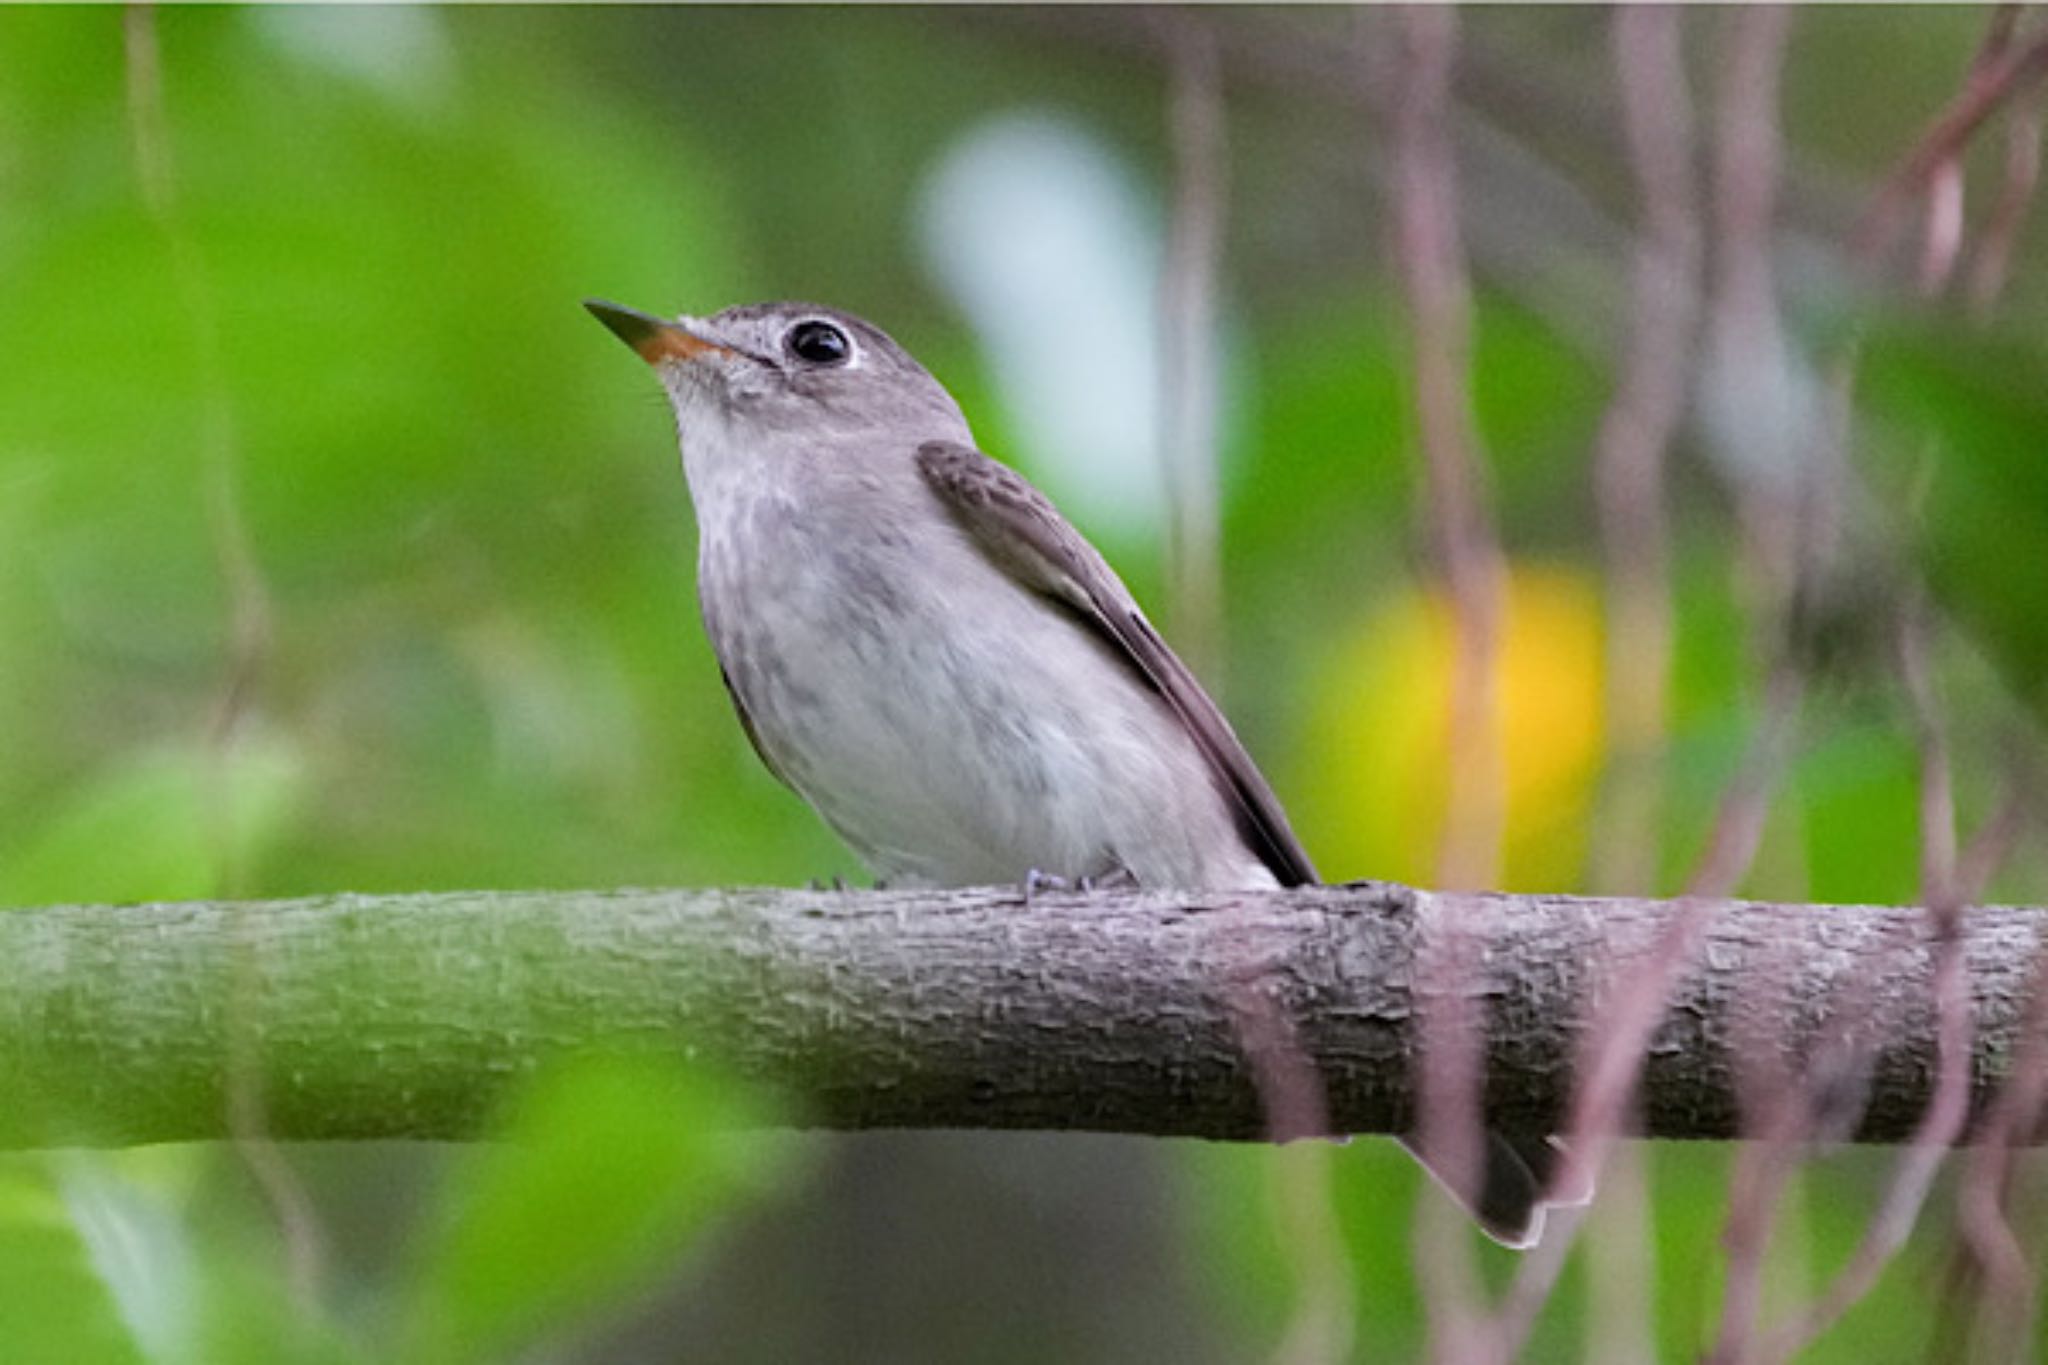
(921, 646)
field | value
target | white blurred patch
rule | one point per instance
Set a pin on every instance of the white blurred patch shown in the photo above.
(1050, 247)
(1761, 407)
(401, 50)
(139, 1249)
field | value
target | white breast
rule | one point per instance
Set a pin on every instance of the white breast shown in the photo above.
(954, 728)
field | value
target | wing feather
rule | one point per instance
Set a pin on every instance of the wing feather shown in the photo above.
(739, 705)
(1024, 534)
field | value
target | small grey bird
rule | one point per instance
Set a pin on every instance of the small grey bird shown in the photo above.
(922, 647)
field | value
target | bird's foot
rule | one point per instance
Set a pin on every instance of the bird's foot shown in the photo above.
(1036, 881)
(837, 883)
(1118, 878)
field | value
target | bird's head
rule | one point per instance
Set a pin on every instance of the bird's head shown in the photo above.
(763, 369)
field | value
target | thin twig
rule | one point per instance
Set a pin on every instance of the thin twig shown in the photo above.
(1989, 1253)
(1187, 345)
(1608, 1070)
(1635, 434)
(2000, 238)
(1751, 345)
(1291, 1093)
(1944, 896)
(1738, 827)
(1753, 364)
(1450, 1132)
(1324, 1324)
(250, 617)
(1943, 240)
(2016, 69)
(1796, 1094)
(1432, 268)
(1611, 1061)
(1764, 1163)
(1988, 851)
(1324, 1321)
(250, 613)
(1467, 550)
(1621, 1268)
(1997, 1254)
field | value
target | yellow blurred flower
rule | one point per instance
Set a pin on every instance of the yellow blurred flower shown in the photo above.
(1372, 788)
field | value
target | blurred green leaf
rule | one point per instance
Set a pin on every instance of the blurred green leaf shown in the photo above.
(606, 1172)
(1859, 798)
(170, 824)
(183, 1293)
(1963, 445)
(54, 1303)
(463, 502)
(250, 1317)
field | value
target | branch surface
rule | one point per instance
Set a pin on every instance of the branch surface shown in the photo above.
(406, 1016)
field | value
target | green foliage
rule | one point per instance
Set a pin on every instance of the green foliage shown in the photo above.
(606, 1172)
(161, 826)
(467, 533)
(603, 1174)
(54, 1304)
(1966, 427)
(470, 547)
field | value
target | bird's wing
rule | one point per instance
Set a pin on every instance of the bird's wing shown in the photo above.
(739, 704)
(1024, 534)
(721, 643)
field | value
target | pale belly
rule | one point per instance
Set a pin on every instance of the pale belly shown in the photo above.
(955, 746)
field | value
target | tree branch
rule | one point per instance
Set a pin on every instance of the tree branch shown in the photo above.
(404, 1016)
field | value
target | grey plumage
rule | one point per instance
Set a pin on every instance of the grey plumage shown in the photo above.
(922, 647)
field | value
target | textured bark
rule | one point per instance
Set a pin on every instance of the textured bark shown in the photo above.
(360, 1016)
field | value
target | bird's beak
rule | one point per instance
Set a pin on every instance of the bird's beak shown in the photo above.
(656, 339)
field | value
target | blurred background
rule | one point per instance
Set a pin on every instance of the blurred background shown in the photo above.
(340, 550)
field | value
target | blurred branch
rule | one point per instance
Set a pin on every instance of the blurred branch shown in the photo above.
(1942, 241)
(1992, 83)
(1187, 346)
(1323, 1324)
(1526, 124)
(1429, 253)
(250, 627)
(406, 1016)
(1622, 1032)
(1777, 456)
(1945, 896)
(1760, 394)
(1466, 548)
(1635, 436)
(2000, 239)
(1628, 484)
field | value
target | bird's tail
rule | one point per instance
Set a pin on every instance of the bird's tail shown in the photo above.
(1513, 1188)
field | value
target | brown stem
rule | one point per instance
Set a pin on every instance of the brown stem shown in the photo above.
(1943, 895)
(2019, 67)
(1431, 261)
(1187, 345)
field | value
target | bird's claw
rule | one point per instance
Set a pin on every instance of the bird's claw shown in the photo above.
(1036, 881)
(1118, 878)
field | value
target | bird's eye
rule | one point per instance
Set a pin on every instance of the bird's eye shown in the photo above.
(818, 343)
